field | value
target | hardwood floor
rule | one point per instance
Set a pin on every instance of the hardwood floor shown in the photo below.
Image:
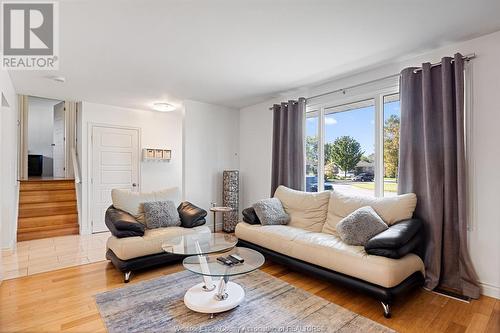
(63, 301)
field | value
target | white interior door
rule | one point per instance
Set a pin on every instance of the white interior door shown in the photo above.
(58, 141)
(115, 164)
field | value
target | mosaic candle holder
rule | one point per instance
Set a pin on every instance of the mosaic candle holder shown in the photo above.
(230, 198)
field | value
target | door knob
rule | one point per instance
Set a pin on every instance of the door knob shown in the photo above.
(134, 185)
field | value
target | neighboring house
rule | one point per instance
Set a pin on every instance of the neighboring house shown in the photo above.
(364, 166)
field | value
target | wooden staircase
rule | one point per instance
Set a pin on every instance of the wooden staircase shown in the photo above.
(47, 208)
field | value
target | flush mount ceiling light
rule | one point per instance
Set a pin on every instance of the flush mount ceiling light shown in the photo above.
(58, 78)
(163, 107)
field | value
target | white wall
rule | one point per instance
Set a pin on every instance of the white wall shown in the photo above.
(211, 145)
(204, 139)
(256, 127)
(40, 130)
(158, 130)
(8, 163)
(256, 132)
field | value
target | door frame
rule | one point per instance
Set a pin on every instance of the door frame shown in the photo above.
(70, 142)
(90, 170)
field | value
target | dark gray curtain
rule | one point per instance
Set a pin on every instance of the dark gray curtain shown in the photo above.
(288, 145)
(432, 165)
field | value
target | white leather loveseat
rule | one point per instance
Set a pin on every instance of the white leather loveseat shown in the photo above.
(310, 242)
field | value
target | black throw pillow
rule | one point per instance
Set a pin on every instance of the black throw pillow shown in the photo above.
(122, 224)
(191, 215)
(249, 216)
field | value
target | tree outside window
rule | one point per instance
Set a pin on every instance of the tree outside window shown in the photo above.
(345, 152)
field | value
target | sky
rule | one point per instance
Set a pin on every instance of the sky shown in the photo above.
(358, 123)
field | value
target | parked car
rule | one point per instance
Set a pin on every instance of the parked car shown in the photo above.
(312, 184)
(363, 177)
(314, 187)
(328, 187)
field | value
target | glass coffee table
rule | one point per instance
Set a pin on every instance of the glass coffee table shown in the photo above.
(194, 244)
(202, 251)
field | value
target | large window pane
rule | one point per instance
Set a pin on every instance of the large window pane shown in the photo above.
(312, 153)
(392, 115)
(349, 149)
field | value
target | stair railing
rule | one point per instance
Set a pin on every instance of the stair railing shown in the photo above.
(76, 169)
(78, 182)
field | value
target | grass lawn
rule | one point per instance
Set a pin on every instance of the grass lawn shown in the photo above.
(388, 187)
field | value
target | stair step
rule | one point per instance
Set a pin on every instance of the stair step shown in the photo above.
(47, 196)
(29, 235)
(46, 228)
(47, 185)
(47, 208)
(41, 221)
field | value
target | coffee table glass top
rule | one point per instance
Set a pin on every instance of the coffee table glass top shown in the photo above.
(193, 244)
(209, 266)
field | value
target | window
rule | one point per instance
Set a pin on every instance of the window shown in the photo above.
(392, 113)
(352, 144)
(350, 148)
(312, 151)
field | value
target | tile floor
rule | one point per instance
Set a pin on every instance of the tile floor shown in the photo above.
(42, 255)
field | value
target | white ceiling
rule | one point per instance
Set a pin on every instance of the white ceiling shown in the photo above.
(237, 53)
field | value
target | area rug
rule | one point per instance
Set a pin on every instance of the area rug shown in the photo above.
(270, 305)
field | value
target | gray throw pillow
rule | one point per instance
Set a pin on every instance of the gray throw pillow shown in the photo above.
(360, 226)
(161, 214)
(270, 212)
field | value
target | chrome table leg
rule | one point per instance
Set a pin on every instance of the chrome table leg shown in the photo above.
(221, 292)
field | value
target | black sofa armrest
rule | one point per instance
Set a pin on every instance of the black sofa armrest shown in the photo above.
(191, 215)
(412, 246)
(249, 216)
(397, 241)
(396, 235)
(122, 224)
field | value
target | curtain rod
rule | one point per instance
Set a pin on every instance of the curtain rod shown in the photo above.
(467, 57)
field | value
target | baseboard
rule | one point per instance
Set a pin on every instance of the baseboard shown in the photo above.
(490, 290)
(9, 247)
(451, 294)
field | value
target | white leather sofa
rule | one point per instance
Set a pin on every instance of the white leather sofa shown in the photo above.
(149, 244)
(132, 246)
(310, 241)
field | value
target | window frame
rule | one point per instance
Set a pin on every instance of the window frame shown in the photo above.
(375, 92)
(309, 114)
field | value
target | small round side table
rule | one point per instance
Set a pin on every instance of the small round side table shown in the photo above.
(221, 210)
